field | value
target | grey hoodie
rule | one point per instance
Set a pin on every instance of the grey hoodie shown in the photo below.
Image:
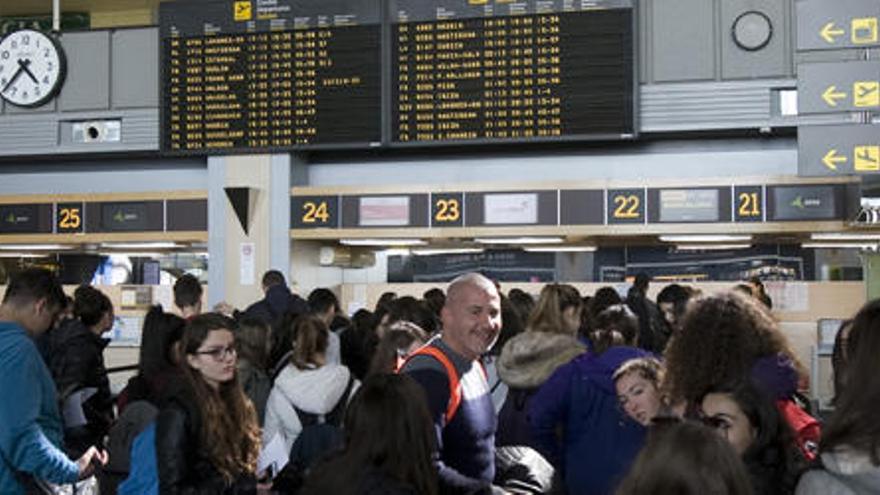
(846, 473)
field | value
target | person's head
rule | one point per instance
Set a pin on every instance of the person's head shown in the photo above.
(722, 337)
(558, 310)
(472, 315)
(93, 309)
(385, 299)
(744, 289)
(672, 301)
(747, 417)
(310, 349)
(253, 339)
(854, 421)
(272, 277)
(511, 325)
(398, 342)
(640, 283)
(616, 325)
(522, 302)
(757, 286)
(33, 299)
(388, 429)
(230, 433)
(159, 341)
(362, 320)
(409, 309)
(839, 357)
(686, 458)
(435, 299)
(323, 304)
(604, 298)
(637, 382)
(188, 294)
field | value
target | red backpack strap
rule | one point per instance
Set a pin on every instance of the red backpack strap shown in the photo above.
(451, 374)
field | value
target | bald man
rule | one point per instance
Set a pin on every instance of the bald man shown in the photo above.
(463, 415)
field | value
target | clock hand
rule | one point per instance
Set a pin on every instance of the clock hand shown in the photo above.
(14, 78)
(24, 65)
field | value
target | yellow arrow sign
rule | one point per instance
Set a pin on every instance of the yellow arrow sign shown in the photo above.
(831, 95)
(830, 34)
(831, 159)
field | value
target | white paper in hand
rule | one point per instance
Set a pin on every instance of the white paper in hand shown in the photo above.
(274, 456)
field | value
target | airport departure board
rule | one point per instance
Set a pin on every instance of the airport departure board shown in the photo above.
(245, 76)
(482, 70)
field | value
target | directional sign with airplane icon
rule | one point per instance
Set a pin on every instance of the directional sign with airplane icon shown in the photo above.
(833, 87)
(838, 149)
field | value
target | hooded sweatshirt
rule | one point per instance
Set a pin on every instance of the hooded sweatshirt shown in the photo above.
(599, 441)
(846, 472)
(315, 391)
(526, 362)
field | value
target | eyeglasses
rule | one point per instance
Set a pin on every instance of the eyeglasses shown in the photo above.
(219, 353)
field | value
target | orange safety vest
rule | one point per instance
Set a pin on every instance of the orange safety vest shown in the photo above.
(451, 373)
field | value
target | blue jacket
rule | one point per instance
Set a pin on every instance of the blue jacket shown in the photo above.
(30, 425)
(599, 442)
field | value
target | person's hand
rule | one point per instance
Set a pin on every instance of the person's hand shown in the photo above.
(91, 459)
(224, 307)
(264, 488)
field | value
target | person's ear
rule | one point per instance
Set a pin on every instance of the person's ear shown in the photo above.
(192, 361)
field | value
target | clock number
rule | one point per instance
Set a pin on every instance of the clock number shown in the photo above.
(748, 205)
(26, 40)
(70, 218)
(5, 55)
(448, 210)
(627, 206)
(315, 211)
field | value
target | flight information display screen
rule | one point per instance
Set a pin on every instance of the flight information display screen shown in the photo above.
(244, 76)
(477, 70)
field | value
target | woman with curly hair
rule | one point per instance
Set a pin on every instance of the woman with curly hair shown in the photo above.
(726, 338)
(207, 436)
(637, 382)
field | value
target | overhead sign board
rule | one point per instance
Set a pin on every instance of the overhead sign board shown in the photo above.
(839, 149)
(838, 87)
(824, 25)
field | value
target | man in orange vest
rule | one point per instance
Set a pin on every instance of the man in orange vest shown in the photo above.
(450, 371)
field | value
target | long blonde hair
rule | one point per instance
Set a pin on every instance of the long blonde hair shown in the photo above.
(230, 432)
(548, 315)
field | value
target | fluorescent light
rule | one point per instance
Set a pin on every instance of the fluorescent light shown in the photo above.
(23, 255)
(397, 252)
(705, 238)
(843, 236)
(141, 245)
(35, 247)
(560, 249)
(839, 245)
(133, 254)
(430, 251)
(711, 247)
(519, 240)
(382, 242)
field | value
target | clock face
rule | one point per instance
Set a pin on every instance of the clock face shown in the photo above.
(32, 68)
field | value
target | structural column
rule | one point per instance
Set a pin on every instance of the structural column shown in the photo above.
(248, 224)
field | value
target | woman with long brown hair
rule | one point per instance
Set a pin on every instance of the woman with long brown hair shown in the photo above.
(207, 436)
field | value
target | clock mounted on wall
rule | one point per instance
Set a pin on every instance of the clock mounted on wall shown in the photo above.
(32, 68)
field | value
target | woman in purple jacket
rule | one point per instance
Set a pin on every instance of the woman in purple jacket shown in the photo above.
(599, 441)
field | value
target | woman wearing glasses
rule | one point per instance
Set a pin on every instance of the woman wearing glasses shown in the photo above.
(207, 436)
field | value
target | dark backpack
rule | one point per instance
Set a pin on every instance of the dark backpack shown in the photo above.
(321, 435)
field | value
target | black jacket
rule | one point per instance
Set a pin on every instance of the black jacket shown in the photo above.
(271, 308)
(76, 359)
(182, 461)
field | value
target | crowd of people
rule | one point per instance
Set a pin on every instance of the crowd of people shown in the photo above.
(464, 391)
